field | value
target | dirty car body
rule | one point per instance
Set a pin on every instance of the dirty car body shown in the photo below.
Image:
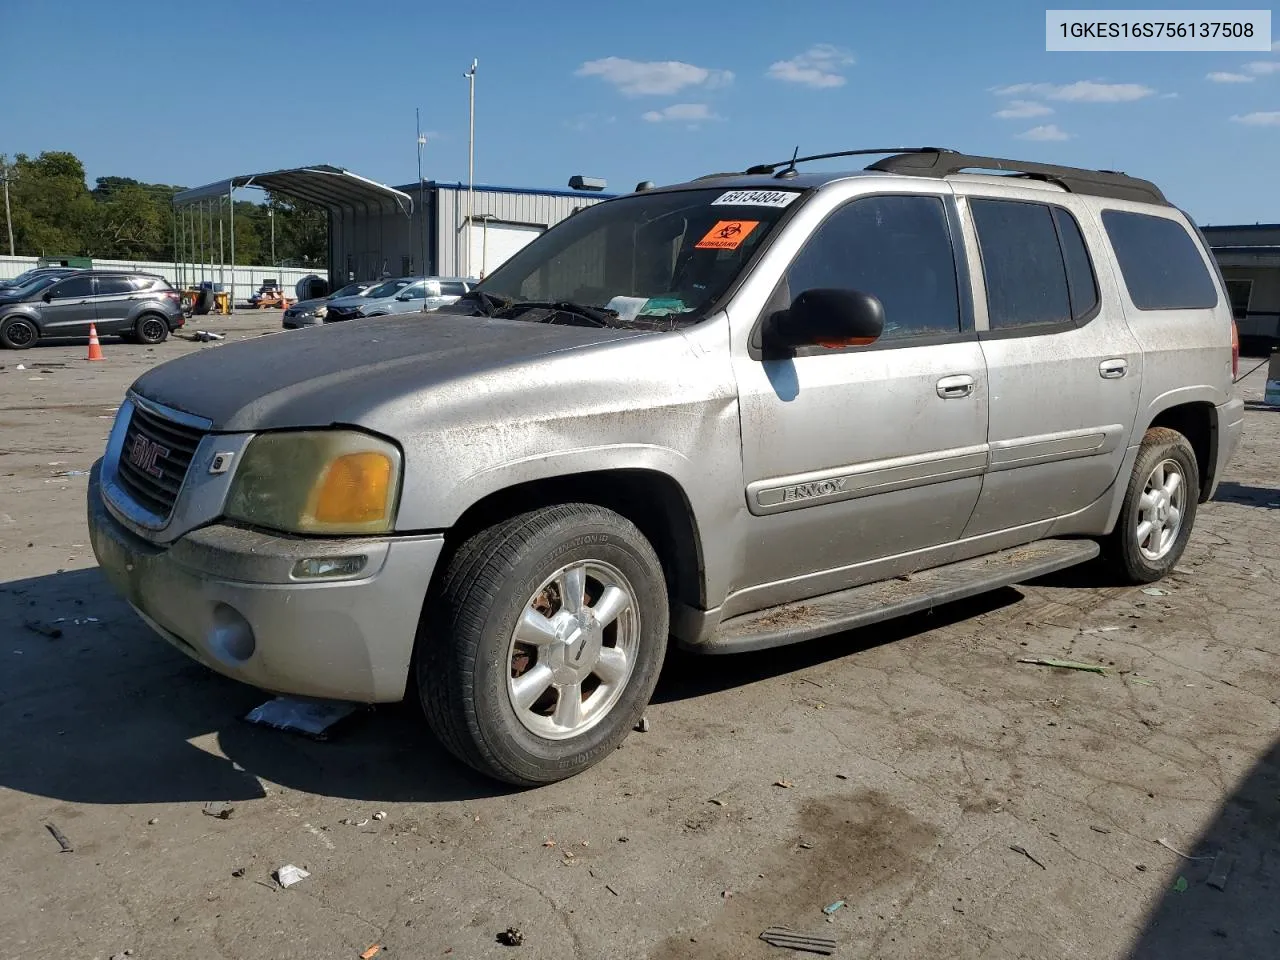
(737, 440)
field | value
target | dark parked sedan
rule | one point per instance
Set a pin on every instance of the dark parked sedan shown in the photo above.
(134, 306)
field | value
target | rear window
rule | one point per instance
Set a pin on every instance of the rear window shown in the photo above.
(1160, 262)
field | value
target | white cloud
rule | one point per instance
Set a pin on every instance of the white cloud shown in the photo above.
(1082, 91)
(688, 112)
(1260, 118)
(817, 67)
(1049, 131)
(1222, 77)
(1169, 96)
(1263, 67)
(1023, 110)
(638, 78)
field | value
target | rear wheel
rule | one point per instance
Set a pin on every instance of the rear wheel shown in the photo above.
(18, 333)
(151, 329)
(1159, 508)
(541, 646)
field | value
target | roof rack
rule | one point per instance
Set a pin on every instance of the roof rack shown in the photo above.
(1097, 183)
(790, 165)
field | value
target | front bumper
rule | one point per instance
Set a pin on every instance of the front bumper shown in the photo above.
(226, 597)
(302, 320)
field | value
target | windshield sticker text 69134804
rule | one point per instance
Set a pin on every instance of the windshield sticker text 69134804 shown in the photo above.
(755, 198)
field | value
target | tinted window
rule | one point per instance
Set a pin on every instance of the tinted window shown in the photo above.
(1081, 284)
(147, 283)
(1161, 264)
(452, 288)
(75, 287)
(1022, 263)
(114, 285)
(895, 248)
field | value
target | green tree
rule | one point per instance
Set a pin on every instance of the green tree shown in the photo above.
(52, 208)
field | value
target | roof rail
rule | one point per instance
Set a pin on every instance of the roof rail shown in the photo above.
(767, 168)
(1097, 183)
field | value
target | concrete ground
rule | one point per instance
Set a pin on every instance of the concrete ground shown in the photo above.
(896, 768)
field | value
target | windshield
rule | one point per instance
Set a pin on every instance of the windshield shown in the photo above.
(350, 290)
(388, 289)
(656, 259)
(35, 285)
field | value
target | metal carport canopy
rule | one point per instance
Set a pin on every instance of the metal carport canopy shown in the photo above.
(326, 186)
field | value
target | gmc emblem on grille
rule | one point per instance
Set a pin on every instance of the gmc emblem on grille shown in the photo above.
(143, 454)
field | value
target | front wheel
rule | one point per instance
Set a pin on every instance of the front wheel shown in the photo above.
(541, 646)
(18, 333)
(1159, 508)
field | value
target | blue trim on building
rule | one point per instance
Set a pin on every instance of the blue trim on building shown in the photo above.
(488, 188)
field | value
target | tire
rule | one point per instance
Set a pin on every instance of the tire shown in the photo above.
(18, 333)
(1166, 468)
(468, 653)
(150, 328)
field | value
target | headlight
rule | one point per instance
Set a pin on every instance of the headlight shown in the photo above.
(317, 481)
(320, 311)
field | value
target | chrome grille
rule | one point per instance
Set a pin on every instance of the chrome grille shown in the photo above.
(154, 460)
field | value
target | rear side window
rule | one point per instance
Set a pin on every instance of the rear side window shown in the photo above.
(896, 248)
(114, 285)
(452, 288)
(1023, 264)
(1160, 262)
(1081, 283)
(147, 283)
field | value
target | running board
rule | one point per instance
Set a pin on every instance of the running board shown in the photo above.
(886, 599)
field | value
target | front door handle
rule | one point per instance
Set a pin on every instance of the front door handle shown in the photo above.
(1113, 369)
(955, 387)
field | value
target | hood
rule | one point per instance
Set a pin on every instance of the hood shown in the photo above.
(11, 295)
(345, 372)
(352, 301)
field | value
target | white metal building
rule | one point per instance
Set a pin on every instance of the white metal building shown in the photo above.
(437, 232)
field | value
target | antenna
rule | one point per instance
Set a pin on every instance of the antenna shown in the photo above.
(791, 170)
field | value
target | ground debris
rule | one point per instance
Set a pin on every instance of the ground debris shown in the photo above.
(790, 940)
(380, 815)
(1064, 664)
(831, 908)
(785, 784)
(58, 835)
(1099, 829)
(1023, 850)
(642, 725)
(1218, 875)
(1185, 856)
(371, 951)
(511, 937)
(288, 875)
(44, 629)
(219, 808)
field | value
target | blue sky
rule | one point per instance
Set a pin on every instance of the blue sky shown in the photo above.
(656, 90)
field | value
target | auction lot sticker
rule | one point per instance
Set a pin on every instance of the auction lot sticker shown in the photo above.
(755, 198)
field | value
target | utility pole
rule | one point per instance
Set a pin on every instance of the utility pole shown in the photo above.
(271, 217)
(422, 210)
(471, 163)
(7, 215)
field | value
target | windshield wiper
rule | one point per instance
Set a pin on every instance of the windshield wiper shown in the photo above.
(600, 316)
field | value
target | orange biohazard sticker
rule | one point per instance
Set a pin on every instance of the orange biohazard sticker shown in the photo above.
(727, 235)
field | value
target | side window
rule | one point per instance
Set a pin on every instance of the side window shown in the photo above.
(75, 287)
(1161, 264)
(897, 249)
(1082, 285)
(417, 291)
(148, 283)
(452, 288)
(108, 286)
(1022, 264)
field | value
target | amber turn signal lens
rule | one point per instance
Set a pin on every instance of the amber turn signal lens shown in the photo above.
(354, 490)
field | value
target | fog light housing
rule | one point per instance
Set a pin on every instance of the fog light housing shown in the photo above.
(329, 568)
(230, 636)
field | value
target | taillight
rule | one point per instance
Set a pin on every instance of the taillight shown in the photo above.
(1235, 350)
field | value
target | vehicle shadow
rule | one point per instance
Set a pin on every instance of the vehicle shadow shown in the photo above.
(1197, 920)
(106, 712)
(1230, 492)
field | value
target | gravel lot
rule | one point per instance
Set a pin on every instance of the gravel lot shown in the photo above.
(894, 768)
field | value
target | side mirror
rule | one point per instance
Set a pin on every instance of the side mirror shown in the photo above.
(827, 318)
(402, 297)
(47, 297)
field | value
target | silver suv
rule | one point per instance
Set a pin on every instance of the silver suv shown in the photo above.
(744, 411)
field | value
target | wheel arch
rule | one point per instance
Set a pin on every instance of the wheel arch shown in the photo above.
(654, 501)
(1197, 420)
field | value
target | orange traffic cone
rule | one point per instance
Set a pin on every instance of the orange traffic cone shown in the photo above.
(95, 348)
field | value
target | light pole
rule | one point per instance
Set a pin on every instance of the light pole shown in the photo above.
(7, 215)
(422, 214)
(471, 162)
(271, 217)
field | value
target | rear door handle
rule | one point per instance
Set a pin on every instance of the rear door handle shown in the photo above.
(1113, 369)
(955, 387)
